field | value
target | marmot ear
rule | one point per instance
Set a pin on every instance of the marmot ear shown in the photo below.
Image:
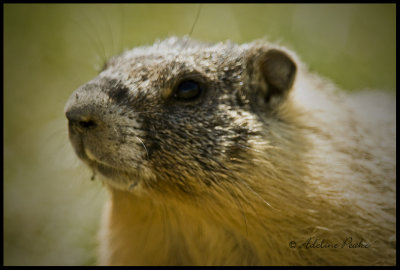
(277, 71)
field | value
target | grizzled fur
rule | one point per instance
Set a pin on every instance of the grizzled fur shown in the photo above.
(268, 160)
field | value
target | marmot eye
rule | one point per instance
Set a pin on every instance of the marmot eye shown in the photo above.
(188, 90)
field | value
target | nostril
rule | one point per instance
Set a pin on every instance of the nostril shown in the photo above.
(80, 119)
(87, 124)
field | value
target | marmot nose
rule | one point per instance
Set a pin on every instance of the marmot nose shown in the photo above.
(80, 119)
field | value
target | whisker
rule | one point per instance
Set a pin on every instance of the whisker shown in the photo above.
(258, 195)
(195, 20)
(109, 30)
(147, 153)
(121, 40)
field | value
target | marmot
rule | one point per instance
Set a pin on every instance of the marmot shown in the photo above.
(226, 154)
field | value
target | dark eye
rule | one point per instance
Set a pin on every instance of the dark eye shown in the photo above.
(188, 90)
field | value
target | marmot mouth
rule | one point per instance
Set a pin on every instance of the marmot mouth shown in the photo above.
(106, 170)
(114, 175)
(94, 163)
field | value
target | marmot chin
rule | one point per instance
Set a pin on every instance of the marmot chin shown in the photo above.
(226, 154)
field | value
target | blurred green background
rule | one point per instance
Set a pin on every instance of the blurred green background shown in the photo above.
(51, 208)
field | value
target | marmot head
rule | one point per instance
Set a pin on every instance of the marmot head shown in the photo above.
(180, 114)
